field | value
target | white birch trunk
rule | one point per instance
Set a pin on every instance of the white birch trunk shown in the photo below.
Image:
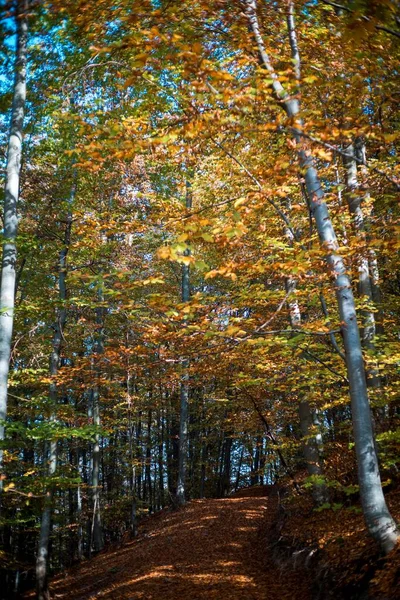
(11, 197)
(379, 522)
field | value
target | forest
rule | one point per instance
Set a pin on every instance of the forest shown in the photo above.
(200, 298)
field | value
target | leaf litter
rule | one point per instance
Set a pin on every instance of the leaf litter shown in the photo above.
(208, 549)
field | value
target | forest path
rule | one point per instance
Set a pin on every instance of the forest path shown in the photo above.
(209, 549)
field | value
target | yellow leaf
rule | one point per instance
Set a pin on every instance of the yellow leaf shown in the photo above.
(185, 260)
(164, 252)
(141, 59)
(239, 202)
(183, 237)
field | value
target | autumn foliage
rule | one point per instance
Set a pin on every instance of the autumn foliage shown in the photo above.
(133, 109)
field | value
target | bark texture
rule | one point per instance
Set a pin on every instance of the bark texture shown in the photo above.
(11, 197)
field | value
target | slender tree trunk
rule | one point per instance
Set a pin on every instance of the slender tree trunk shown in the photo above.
(160, 423)
(44, 536)
(139, 456)
(184, 391)
(379, 522)
(45, 527)
(97, 532)
(255, 464)
(132, 477)
(97, 529)
(310, 447)
(263, 460)
(203, 470)
(310, 451)
(10, 217)
(226, 473)
(132, 460)
(79, 517)
(238, 473)
(148, 484)
(354, 199)
(355, 154)
(72, 540)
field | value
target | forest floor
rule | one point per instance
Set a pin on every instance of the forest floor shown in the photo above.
(208, 549)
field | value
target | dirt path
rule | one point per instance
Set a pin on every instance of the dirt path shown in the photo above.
(210, 549)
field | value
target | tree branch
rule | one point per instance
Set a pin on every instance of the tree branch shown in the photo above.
(363, 17)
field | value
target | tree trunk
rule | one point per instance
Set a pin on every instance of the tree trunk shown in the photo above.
(79, 518)
(238, 473)
(203, 470)
(59, 325)
(353, 199)
(183, 437)
(160, 427)
(255, 464)
(148, 495)
(353, 155)
(139, 456)
(44, 536)
(379, 522)
(311, 453)
(184, 391)
(97, 530)
(226, 473)
(10, 217)
(310, 446)
(132, 461)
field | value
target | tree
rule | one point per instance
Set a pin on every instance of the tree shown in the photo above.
(184, 387)
(55, 360)
(11, 197)
(202, 314)
(378, 519)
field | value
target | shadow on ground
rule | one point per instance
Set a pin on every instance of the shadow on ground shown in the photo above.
(209, 549)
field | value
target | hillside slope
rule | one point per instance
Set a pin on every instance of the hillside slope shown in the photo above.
(209, 549)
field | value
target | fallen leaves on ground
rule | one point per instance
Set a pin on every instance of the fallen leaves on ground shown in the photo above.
(209, 549)
(342, 551)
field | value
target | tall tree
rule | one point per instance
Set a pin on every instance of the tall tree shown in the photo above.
(377, 517)
(10, 218)
(184, 387)
(55, 357)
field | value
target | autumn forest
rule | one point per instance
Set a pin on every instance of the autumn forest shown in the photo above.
(200, 297)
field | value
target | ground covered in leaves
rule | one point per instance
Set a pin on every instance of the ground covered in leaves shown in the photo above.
(333, 543)
(209, 549)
